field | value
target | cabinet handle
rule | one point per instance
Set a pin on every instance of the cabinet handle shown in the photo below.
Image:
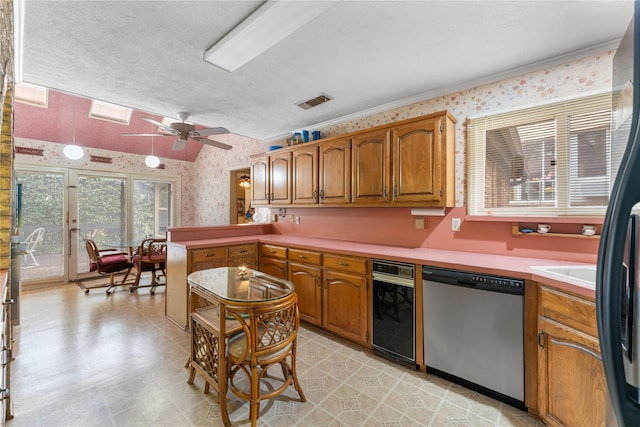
(322, 194)
(243, 251)
(209, 255)
(266, 196)
(315, 195)
(303, 256)
(325, 283)
(8, 302)
(395, 190)
(344, 264)
(541, 339)
(384, 191)
(272, 251)
(4, 394)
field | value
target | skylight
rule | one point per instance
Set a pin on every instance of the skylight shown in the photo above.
(111, 112)
(27, 93)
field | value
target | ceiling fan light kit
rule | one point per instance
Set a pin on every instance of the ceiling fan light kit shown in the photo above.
(270, 24)
(152, 161)
(73, 152)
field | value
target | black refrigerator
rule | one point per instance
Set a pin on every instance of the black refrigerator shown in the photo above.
(617, 276)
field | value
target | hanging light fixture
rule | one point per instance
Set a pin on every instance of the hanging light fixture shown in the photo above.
(73, 151)
(152, 161)
(245, 181)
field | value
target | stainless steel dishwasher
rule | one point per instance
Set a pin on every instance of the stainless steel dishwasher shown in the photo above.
(474, 331)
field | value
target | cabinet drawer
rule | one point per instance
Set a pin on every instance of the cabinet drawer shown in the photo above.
(241, 251)
(572, 311)
(208, 255)
(345, 263)
(307, 257)
(272, 251)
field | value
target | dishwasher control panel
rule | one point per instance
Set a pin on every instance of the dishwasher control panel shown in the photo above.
(468, 279)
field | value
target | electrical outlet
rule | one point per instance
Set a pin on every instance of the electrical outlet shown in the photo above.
(455, 224)
(297, 220)
(420, 223)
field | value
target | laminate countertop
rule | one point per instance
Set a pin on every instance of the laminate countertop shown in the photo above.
(502, 265)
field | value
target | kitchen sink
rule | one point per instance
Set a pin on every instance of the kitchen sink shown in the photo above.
(581, 274)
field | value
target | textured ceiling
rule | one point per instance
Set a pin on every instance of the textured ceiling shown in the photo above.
(148, 54)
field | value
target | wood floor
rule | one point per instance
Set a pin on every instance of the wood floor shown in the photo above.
(97, 360)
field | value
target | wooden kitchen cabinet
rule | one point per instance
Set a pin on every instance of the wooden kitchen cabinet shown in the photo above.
(271, 179)
(243, 256)
(335, 172)
(305, 175)
(571, 380)
(371, 167)
(273, 260)
(423, 162)
(305, 272)
(345, 297)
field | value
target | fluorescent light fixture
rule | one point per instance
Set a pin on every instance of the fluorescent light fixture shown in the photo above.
(152, 161)
(428, 212)
(73, 152)
(270, 24)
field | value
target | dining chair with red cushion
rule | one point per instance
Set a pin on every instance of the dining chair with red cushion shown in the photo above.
(108, 261)
(151, 256)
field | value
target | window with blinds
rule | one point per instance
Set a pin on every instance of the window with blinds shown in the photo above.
(552, 160)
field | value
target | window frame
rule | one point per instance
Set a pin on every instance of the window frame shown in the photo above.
(559, 111)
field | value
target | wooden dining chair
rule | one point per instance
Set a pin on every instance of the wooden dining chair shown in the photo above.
(151, 256)
(268, 338)
(108, 262)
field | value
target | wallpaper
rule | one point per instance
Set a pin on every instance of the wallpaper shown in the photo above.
(205, 182)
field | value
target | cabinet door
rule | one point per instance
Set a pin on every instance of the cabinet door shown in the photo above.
(305, 175)
(275, 267)
(571, 382)
(344, 310)
(371, 167)
(260, 180)
(307, 281)
(280, 175)
(417, 162)
(335, 172)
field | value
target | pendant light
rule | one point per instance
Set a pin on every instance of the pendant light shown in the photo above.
(245, 181)
(152, 161)
(73, 151)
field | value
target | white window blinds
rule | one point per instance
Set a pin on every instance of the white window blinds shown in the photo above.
(549, 160)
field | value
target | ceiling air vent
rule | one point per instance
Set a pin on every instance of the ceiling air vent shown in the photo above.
(320, 99)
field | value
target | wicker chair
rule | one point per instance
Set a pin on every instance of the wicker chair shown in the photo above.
(151, 256)
(269, 338)
(108, 262)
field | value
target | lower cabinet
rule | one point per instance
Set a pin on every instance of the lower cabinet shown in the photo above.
(273, 260)
(571, 381)
(333, 289)
(305, 272)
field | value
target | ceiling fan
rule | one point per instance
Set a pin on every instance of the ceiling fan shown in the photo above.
(184, 131)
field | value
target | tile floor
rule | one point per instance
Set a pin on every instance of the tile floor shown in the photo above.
(93, 360)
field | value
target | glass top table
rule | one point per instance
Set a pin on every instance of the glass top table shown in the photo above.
(239, 284)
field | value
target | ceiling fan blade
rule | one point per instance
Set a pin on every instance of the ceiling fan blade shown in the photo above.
(160, 125)
(179, 144)
(143, 134)
(208, 131)
(215, 143)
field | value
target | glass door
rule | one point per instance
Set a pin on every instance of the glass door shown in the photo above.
(97, 211)
(42, 232)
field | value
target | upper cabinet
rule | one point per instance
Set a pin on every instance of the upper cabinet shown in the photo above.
(371, 165)
(408, 163)
(335, 172)
(271, 178)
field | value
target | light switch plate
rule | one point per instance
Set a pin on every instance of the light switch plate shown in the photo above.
(455, 224)
(420, 223)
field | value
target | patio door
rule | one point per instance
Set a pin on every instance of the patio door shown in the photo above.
(97, 211)
(71, 205)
